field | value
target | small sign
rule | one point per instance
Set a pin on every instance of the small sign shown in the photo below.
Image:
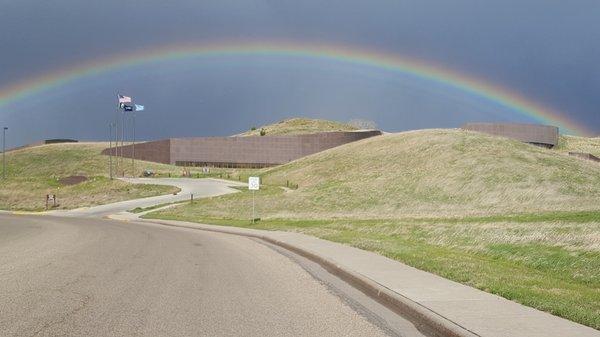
(253, 183)
(50, 200)
(205, 170)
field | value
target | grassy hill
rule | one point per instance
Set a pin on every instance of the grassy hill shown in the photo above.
(568, 143)
(506, 217)
(36, 171)
(298, 126)
(428, 173)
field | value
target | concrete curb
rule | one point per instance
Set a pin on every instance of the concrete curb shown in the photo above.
(426, 320)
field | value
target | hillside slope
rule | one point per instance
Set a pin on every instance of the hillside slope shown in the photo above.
(298, 126)
(509, 218)
(33, 172)
(568, 143)
(427, 173)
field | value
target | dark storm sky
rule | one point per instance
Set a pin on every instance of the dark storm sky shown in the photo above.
(546, 50)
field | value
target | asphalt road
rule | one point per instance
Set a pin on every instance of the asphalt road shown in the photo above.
(64, 276)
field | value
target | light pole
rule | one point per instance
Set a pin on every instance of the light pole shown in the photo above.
(4, 152)
(110, 165)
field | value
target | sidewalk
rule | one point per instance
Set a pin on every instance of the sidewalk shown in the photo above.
(198, 187)
(452, 308)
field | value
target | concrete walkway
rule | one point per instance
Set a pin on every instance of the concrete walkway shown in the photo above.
(460, 310)
(200, 188)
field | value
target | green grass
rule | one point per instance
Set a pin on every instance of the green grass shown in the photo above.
(509, 218)
(549, 265)
(298, 126)
(149, 208)
(34, 172)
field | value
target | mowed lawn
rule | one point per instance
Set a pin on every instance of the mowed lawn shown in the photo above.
(36, 171)
(505, 217)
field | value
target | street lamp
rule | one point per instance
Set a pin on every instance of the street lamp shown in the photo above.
(4, 152)
(110, 165)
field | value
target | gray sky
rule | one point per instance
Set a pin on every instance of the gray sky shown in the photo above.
(546, 50)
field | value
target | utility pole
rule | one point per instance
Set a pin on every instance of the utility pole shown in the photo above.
(4, 152)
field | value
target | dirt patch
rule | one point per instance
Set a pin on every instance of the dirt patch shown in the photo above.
(72, 180)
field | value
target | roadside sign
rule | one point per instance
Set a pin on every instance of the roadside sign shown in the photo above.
(50, 199)
(253, 183)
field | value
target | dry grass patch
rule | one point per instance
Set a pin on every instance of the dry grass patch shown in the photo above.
(568, 143)
(428, 173)
(299, 126)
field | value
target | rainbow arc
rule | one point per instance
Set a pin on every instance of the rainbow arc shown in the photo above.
(333, 53)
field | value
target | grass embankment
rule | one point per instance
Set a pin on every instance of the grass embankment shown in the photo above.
(149, 208)
(516, 220)
(36, 171)
(579, 144)
(298, 126)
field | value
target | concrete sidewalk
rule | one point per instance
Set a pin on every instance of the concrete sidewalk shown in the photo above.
(200, 188)
(454, 309)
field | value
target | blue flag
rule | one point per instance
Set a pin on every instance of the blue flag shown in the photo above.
(139, 107)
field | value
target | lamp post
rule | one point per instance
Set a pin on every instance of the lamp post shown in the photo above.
(4, 152)
(110, 165)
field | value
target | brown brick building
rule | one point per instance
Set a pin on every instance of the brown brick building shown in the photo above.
(252, 151)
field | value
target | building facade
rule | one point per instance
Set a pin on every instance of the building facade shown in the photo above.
(243, 152)
(541, 135)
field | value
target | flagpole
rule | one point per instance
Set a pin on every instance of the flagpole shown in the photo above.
(133, 148)
(123, 143)
(117, 137)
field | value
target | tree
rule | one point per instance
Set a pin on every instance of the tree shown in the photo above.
(263, 132)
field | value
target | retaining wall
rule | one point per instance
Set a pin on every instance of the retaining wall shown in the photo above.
(254, 151)
(543, 135)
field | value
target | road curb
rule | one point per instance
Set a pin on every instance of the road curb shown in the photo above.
(426, 320)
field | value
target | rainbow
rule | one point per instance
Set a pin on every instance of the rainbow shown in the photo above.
(329, 52)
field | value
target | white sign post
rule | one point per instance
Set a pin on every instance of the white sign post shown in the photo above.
(253, 185)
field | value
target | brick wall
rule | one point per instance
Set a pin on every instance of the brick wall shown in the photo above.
(241, 151)
(544, 135)
(157, 151)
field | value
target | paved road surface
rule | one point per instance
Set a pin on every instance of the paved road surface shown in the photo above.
(201, 188)
(92, 277)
